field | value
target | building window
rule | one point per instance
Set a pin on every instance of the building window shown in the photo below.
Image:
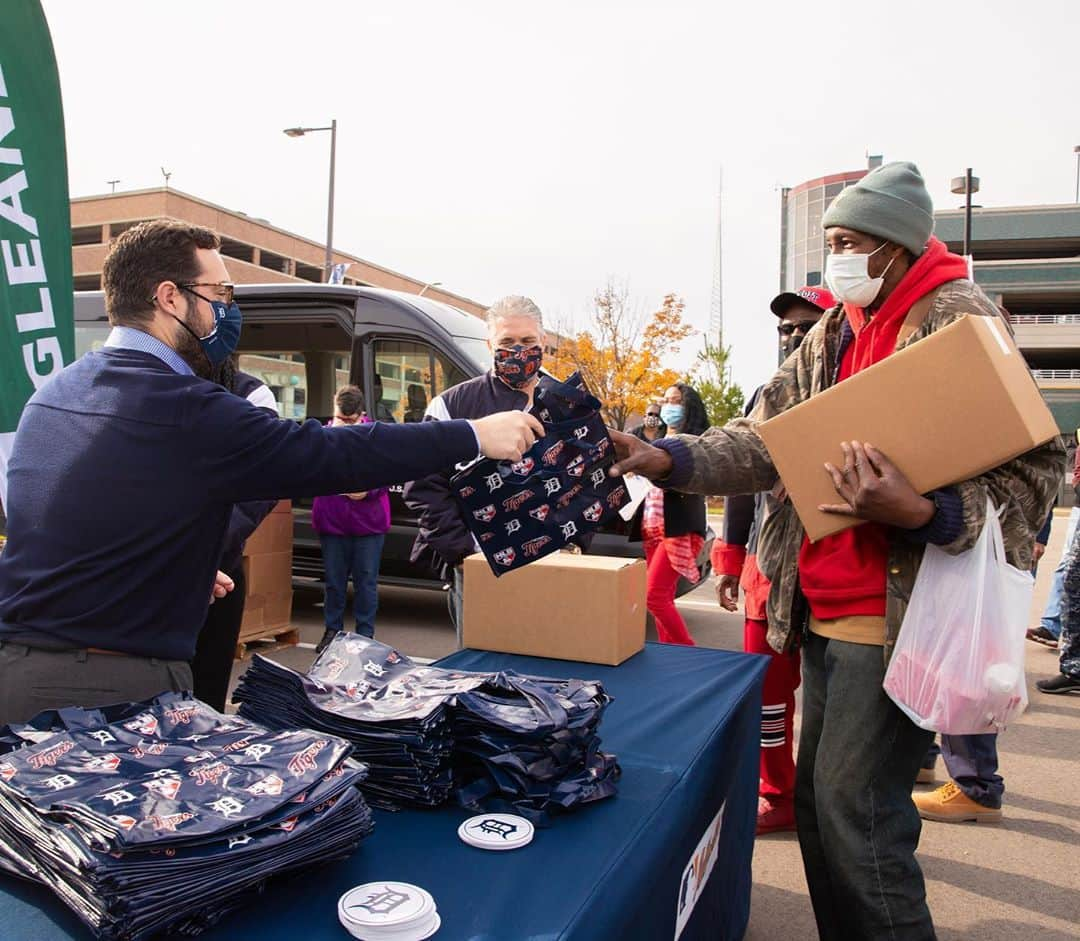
(86, 235)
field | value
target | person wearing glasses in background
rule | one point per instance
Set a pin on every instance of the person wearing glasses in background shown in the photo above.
(734, 560)
(652, 427)
(352, 528)
(125, 469)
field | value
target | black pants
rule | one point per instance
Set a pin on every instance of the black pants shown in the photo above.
(216, 646)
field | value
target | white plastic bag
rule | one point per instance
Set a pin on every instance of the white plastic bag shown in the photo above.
(958, 666)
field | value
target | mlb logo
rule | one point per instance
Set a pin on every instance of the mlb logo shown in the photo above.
(523, 467)
(505, 557)
(486, 513)
(163, 787)
(576, 467)
(541, 512)
(109, 762)
(270, 786)
(146, 724)
(594, 512)
(7, 771)
(122, 820)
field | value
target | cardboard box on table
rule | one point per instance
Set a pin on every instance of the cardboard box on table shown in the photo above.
(268, 573)
(589, 608)
(952, 406)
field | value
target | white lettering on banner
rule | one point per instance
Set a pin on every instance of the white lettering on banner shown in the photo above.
(697, 872)
(42, 356)
(24, 271)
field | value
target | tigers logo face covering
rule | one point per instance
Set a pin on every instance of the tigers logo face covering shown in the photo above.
(518, 365)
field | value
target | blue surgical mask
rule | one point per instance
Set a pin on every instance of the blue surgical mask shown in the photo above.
(671, 414)
(221, 342)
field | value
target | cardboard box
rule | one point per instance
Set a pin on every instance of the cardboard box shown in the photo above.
(275, 533)
(269, 573)
(948, 408)
(589, 608)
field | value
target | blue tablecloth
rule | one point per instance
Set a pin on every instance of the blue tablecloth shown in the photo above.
(672, 851)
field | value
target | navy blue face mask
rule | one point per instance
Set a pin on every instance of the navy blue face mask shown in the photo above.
(221, 342)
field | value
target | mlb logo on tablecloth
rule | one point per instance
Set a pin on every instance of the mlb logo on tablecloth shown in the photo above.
(505, 557)
(593, 512)
(523, 467)
(146, 724)
(576, 467)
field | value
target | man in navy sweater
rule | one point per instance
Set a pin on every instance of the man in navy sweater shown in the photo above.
(127, 464)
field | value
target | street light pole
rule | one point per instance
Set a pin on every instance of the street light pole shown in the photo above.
(967, 213)
(330, 205)
(328, 264)
(966, 184)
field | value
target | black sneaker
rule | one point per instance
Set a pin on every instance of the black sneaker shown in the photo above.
(1059, 684)
(1042, 636)
(328, 635)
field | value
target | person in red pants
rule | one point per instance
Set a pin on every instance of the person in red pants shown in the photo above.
(734, 560)
(672, 525)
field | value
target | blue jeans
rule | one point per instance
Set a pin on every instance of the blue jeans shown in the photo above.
(359, 557)
(858, 827)
(1051, 618)
(972, 762)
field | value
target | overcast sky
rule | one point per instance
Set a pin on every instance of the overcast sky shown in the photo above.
(541, 148)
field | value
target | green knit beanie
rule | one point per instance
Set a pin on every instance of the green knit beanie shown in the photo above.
(890, 202)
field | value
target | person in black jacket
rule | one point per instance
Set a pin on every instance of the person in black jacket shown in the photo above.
(215, 647)
(516, 338)
(652, 427)
(672, 524)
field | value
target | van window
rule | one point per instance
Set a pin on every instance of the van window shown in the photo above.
(407, 376)
(90, 338)
(292, 377)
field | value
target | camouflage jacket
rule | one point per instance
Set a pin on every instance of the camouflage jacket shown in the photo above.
(733, 460)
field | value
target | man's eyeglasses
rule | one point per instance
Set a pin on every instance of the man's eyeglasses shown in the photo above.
(224, 289)
(787, 329)
(652, 414)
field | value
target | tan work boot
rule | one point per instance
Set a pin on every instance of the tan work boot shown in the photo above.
(951, 805)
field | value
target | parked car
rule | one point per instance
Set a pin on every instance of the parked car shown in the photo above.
(306, 340)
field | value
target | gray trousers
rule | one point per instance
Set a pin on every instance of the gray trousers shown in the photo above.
(32, 680)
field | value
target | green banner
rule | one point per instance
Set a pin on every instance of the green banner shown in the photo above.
(37, 335)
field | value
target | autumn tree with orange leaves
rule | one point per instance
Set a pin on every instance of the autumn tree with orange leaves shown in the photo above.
(621, 354)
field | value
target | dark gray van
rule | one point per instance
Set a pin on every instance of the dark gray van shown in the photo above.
(306, 340)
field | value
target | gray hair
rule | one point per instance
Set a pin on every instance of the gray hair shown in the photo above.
(514, 305)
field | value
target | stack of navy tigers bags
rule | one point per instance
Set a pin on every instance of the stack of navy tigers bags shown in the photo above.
(160, 817)
(559, 491)
(497, 739)
(394, 712)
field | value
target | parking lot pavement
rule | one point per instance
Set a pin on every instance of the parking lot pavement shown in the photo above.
(1016, 880)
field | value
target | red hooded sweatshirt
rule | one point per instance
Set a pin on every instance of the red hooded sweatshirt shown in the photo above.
(844, 574)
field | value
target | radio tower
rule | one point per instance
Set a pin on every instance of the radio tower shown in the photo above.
(716, 303)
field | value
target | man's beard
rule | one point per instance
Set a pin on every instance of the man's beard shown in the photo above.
(189, 348)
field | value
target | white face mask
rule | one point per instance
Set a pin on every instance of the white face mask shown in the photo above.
(848, 277)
